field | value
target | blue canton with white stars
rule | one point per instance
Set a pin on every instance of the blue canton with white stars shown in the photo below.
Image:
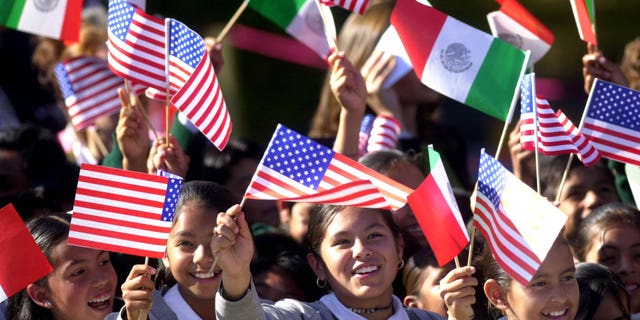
(185, 44)
(120, 17)
(171, 198)
(526, 103)
(491, 178)
(297, 157)
(63, 80)
(616, 105)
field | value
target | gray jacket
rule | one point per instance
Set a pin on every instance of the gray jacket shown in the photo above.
(160, 310)
(251, 307)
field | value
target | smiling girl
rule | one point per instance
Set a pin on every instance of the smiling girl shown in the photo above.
(186, 285)
(354, 252)
(81, 286)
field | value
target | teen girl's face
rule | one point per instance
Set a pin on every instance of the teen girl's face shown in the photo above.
(552, 293)
(361, 257)
(189, 254)
(82, 284)
(618, 248)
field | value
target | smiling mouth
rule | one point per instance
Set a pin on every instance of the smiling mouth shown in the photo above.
(206, 275)
(554, 314)
(100, 302)
(366, 270)
(630, 287)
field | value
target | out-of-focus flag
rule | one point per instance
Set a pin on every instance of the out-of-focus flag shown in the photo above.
(198, 93)
(58, 19)
(459, 61)
(514, 24)
(556, 133)
(21, 259)
(585, 16)
(519, 225)
(612, 121)
(384, 133)
(437, 212)
(390, 43)
(123, 211)
(89, 89)
(358, 6)
(296, 168)
(136, 45)
(299, 18)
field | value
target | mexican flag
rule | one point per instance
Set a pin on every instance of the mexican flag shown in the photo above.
(459, 61)
(59, 19)
(21, 259)
(300, 18)
(437, 212)
(514, 24)
(585, 15)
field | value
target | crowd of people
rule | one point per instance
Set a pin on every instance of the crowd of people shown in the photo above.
(271, 259)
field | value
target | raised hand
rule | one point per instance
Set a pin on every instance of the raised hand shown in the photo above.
(215, 53)
(232, 245)
(137, 291)
(132, 134)
(376, 70)
(167, 157)
(457, 289)
(347, 83)
(523, 161)
(595, 65)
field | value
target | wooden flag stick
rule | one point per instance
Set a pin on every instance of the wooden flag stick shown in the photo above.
(143, 314)
(457, 261)
(215, 260)
(471, 243)
(167, 45)
(167, 114)
(232, 21)
(95, 137)
(137, 103)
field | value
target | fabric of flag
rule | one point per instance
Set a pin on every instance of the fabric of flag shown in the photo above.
(299, 18)
(21, 259)
(296, 168)
(89, 89)
(123, 211)
(358, 6)
(514, 24)
(459, 61)
(518, 224)
(585, 20)
(390, 43)
(136, 45)
(384, 133)
(199, 96)
(434, 206)
(58, 19)
(365, 130)
(556, 133)
(612, 122)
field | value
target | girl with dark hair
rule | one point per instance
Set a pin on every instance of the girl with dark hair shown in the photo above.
(610, 236)
(552, 292)
(185, 283)
(602, 294)
(82, 284)
(355, 254)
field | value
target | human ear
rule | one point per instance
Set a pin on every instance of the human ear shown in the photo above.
(412, 301)
(400, 246)
(495, 294)
(39, 296)
(317, 266)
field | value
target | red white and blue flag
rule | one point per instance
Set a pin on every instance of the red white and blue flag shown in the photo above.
(89, 89)
(21, 259)
(136, 45)
(358, 6)
(612, 122)
(556, 133)
(296, 168)
(198, 93)
(123, 211)
(519, 225)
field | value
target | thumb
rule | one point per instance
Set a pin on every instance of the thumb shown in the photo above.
(243, 226)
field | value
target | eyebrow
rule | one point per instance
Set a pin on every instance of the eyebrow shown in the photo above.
(369, 227)
(570, 269)
(75, 262)
(183, 234)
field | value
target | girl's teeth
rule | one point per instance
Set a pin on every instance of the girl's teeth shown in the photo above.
(556, 313)
(204, 275)
(99, 299)
(366, 269)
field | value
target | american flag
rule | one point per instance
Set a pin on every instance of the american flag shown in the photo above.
(384, 133)
(89, 89)
(556, 133)
(519, 225)
(365, 130)
(123, 211)
(136, 45)
(198, 93)
(296, 168)
(612, 121)
(358, 6)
